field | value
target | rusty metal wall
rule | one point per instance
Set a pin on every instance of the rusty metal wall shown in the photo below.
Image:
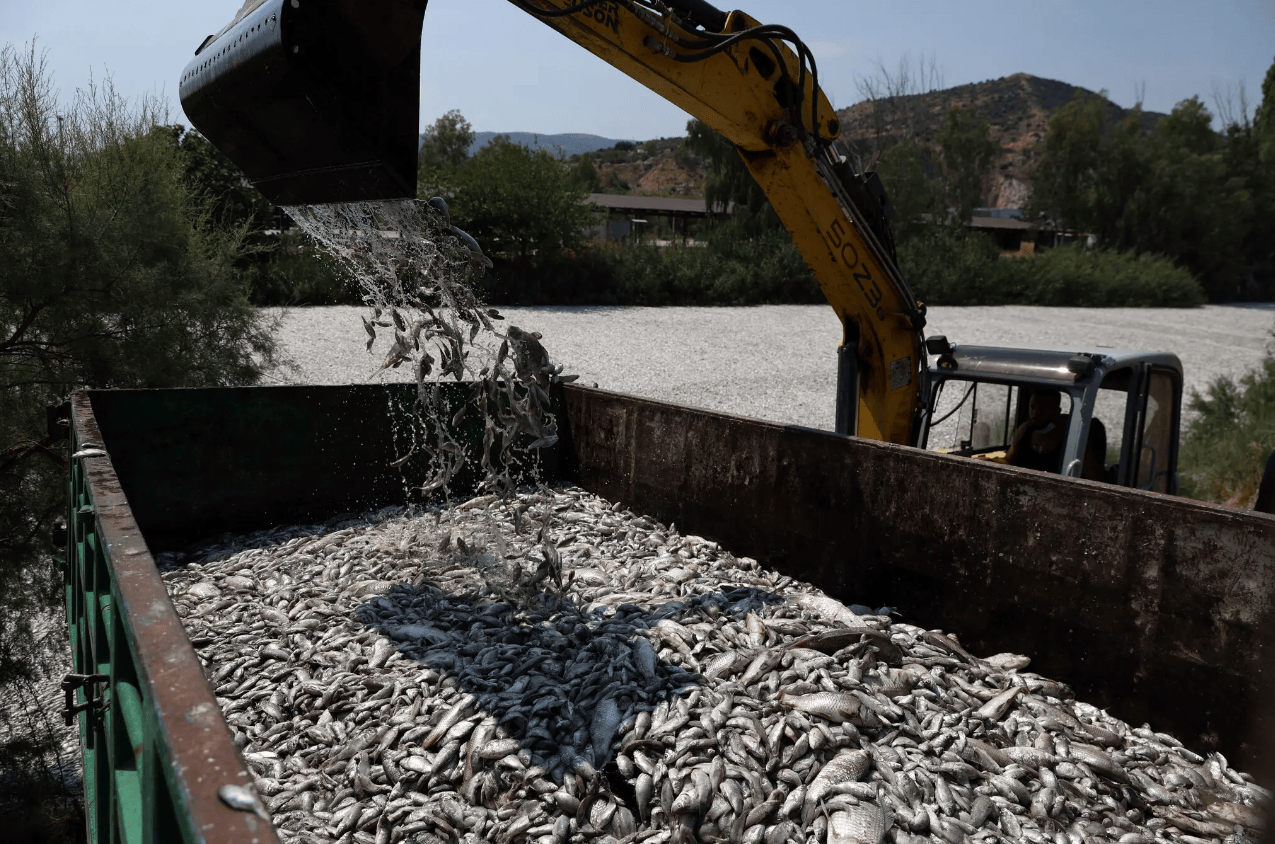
(179, 754)
(1154, 607)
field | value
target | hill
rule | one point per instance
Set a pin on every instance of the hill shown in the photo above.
(1018, 109)
(563, 146)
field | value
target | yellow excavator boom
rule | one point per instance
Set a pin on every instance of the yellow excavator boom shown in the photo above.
(309, 97)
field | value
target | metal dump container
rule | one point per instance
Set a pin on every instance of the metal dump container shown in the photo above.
(1153, 607)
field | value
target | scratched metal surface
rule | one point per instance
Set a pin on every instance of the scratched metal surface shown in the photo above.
(193, 741)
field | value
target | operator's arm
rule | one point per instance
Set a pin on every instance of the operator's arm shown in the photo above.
(745, 80)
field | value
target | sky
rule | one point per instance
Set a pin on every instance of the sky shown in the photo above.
(505, 71)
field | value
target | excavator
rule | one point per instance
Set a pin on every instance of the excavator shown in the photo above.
(317, 102)
(1159, 607)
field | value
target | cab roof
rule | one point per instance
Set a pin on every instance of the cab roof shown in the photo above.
(1045, 365)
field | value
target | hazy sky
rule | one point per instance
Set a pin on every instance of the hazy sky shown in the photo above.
(506, 71)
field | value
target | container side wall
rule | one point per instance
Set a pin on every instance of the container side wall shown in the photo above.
(1154, 607)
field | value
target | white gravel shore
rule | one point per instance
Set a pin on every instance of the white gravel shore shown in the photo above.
(778, 362)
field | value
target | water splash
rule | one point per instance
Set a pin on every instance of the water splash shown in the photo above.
(412, 266)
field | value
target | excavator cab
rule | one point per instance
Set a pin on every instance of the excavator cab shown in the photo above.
(1121, 410)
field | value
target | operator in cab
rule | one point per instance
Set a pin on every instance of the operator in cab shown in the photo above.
(1040, 441)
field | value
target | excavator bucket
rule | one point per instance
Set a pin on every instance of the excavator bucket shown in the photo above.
(316, 101)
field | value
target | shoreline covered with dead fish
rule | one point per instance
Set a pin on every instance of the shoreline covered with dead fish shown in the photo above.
(421, 677)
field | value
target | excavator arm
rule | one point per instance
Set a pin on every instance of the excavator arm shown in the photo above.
(316, 100)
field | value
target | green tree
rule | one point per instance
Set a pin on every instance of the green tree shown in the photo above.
(110, 276)
(728, 182)
(1182, 190)
(1264, 122)
(967, 151)
(1063, 178)
(514, 200)
(585, 176)
(916, 198)
(230, 199)
(444, 149)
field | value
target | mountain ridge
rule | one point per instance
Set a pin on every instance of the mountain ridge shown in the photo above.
(1017, 108)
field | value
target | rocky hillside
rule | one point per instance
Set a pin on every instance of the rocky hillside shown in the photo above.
(662, 167)
(1018, 109)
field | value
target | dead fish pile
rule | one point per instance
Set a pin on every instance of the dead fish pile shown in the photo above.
(407, 677)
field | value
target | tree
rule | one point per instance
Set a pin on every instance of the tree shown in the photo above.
(231, 200)
(585, 176)
(444, 149)
(728, 181)
(1063, 177)
(1264, 122)
(111, 275)
(514, 200)
(916, 198)
(895, 111)
(967, 148)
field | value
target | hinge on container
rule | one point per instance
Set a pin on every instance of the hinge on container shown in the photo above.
(70, 683)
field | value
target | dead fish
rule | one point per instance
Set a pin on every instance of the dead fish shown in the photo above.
(846, 766)
(1008, 661)
(606, 718)
(994, 710)
(862, 824)
(834, 706)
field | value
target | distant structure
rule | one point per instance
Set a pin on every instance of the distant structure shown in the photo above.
(627, 214)
(1017, 237)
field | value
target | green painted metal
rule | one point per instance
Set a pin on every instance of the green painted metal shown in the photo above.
(113, 727)
(139, 781)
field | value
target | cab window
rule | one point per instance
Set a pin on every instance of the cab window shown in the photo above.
(1158, 426)
(972, 417)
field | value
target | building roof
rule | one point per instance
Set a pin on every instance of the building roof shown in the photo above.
(998, 223)
(650, 204)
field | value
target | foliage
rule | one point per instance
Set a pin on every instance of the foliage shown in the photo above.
(444, 148)
(728, 180)
(113, 273)
(1182, 190)
(1225, 447)
(730, 269)
(297, 273)
(916, 199)
(584, 175)
(967, 150)
(230, 200)
(514, 200)
(1077, 276)
(1264, 122)
(946, 265)
(949, 265)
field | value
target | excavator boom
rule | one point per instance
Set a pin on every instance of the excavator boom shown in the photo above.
(316, 100)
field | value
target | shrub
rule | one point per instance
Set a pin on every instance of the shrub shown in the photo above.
(953, 266)
(1225, 447)
(298, 273)
(1098, 278)
(947, 265)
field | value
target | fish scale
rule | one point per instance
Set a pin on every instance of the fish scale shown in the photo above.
(424, 684)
